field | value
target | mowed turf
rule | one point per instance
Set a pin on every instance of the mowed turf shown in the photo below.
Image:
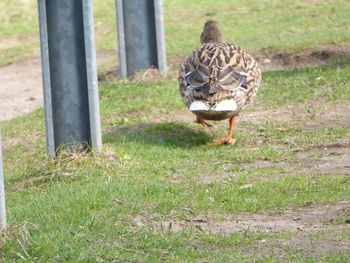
(288, 26)
(159, 171)
(160, 192)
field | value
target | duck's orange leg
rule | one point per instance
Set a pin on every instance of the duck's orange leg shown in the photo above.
(203, 122)
(229, 139)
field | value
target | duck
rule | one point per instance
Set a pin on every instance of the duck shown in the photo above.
(218, 80)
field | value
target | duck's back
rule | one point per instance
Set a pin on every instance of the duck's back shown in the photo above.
(217, 74)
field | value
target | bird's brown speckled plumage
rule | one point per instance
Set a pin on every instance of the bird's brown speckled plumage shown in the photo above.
(217, 71)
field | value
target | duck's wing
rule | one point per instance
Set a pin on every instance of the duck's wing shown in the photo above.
(238, 70)
(223, 67)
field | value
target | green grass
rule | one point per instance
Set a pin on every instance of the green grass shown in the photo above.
(158, 166)
(287, 26)
(302, 84)
(85, 208)
(275, 25)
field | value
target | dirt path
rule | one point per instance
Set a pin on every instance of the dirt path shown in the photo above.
(317, 230)
(21, 90)
(21, 87)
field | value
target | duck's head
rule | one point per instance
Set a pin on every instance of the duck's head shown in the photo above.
(211, 33)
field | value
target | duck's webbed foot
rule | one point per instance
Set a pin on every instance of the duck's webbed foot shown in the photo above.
(229, 139)
(203, 122)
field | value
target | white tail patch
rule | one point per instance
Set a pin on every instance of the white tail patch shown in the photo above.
(199, 106)
(226, 105)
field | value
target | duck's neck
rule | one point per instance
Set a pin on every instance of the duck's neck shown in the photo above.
(211, 33)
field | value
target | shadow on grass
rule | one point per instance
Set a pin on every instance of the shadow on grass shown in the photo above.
(170, 134)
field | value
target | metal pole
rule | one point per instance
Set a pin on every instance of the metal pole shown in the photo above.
(140, 36)
(159, 21)
(121, 39)
(69, 74)
(45, 68)
(92, 81)
(2, 193)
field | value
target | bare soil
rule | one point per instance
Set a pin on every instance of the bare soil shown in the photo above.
(10, 42)
(308, 218)
(268, 60)
(335, 160)
(308, 57)
(316, 230)
(21, 85)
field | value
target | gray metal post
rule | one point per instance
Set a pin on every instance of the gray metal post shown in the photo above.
(159, 21)
(121, 40)
(2, 193)
(92, 81)
(140, 36)
(69, 74)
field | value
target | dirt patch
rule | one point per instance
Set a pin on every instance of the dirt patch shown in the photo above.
(310, 218)
(10, 42)
(269, 60)
(308, 57)
(334, 160)
(314, 230)
(302, 244)
(325, 160)
(21, 90)
(21, 86)
(25, 140)
(312, 116)
(323, 231)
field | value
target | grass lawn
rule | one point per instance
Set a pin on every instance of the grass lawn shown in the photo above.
(289, 26)
(160, 192)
